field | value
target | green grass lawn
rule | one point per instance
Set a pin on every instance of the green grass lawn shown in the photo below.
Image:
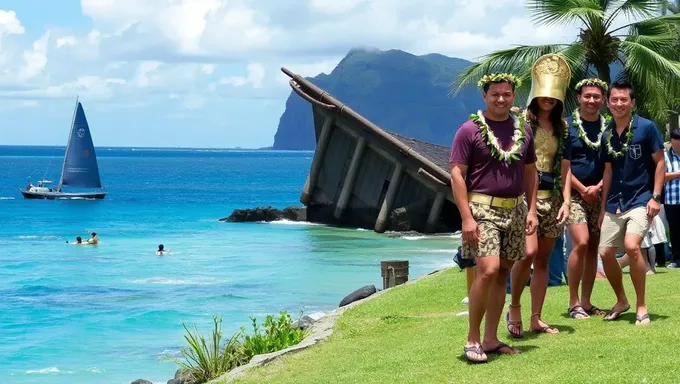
(412, 334)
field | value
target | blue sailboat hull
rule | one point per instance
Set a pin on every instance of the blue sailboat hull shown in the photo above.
(62, 195)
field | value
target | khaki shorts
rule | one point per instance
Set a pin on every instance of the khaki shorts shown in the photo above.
(584, 213)
(547, 210)
(616, 225)
(501, 232)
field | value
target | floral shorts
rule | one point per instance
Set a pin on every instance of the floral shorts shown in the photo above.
(582, 212)
(501, 232)
(547, 210)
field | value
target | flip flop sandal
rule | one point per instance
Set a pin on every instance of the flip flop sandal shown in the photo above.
(477, 349)
(642, 318)
(498, 348)
(545, 330)
(517, 324)
(595, 311)
(577, 310)
(613, 315)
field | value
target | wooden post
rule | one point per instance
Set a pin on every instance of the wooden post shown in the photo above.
(350, 178)
(381, 221)
(319, 154)
(435, 211)
(394, 272)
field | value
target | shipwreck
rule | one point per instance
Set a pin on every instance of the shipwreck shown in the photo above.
(365, 176)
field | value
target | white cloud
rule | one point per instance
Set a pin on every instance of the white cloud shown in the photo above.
(254, 77)
(35, 59)
(10, 24)
(309, 69)
(334, 6)
(208, 69)
(66, 41)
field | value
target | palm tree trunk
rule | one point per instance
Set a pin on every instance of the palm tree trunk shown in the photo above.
(603, 71)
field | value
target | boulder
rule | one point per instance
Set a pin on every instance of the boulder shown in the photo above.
(359, 294)
(141, 381)
(304, 323)
(183, 377)
(266, 214)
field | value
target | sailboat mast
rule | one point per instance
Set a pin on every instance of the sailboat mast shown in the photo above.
(68, 144)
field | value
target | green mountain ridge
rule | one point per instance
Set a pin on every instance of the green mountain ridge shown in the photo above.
(400, 92)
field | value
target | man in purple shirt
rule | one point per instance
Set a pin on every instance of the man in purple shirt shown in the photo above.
(493, 166)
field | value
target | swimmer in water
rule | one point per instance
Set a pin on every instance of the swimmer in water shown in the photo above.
(161, 250)
(94, 239)
(79, 241)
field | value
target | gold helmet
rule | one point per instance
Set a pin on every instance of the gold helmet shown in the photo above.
(550, 76)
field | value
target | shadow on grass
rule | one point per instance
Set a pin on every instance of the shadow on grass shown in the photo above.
(495, 356)
(564, 329)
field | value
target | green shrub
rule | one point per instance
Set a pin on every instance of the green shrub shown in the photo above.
(207, 360)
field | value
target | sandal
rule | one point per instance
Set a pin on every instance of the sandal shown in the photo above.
(476, 349)
(498, 348)
(640, 319)
(517, 324)
(593, 310)
(578, 310)
(613, 315)
(545, 329)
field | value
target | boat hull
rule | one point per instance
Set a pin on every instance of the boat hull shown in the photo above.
(62, 195)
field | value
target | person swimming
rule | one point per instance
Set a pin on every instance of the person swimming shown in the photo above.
(161, 250)
(79, 241)
(94, 239)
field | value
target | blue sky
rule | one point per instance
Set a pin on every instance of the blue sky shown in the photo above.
(206, 73)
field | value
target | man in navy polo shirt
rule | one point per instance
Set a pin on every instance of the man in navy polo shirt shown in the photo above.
(634, 173)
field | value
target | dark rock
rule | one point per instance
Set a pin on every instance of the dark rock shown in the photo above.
(304, 323)
(141, 381)
(183, 378)
(295, 213)
(265, 214)
(359, 294)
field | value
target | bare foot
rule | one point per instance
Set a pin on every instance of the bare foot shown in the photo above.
(538, 326)
(514, 320)
(642, 320)
(474, 353)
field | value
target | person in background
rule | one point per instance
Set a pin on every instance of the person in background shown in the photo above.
(672, 196)
(79, 241)
(93, 239)
(161, 250)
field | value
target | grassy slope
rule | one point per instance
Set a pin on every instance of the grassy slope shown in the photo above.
(412, 335)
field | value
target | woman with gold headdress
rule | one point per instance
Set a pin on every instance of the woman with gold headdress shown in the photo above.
(550, 77)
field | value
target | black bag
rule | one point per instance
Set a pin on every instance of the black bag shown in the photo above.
(463, 263)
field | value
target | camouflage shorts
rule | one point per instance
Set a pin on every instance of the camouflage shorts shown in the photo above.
(547, 210)
(501, 232)
(582, 212)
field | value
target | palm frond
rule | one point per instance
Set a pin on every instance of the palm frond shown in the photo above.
(552, 12)
(517, 60)
(638, 8)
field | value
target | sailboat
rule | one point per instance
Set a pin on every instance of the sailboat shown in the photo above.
(80, 168)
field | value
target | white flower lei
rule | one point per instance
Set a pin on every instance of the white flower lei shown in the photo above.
(518, 137)
(582, 134)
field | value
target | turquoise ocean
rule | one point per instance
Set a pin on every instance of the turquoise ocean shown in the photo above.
(110, 313)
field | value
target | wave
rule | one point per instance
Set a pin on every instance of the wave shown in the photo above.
(172, 281)
(452, 250)
(38, 237)
(289, 222)
(7, 198)
(45, 371)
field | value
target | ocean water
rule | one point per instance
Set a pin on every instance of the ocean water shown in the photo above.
(110, 313)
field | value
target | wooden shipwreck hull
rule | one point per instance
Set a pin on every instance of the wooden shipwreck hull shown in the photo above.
(364, 176)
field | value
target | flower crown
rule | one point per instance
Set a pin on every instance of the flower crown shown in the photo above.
(593, 81)
(498, 78)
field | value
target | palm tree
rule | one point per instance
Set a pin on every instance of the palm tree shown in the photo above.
(645, 50)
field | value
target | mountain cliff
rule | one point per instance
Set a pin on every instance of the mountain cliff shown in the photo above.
(400, 92)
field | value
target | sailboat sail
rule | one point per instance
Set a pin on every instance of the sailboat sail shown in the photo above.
(80, 163)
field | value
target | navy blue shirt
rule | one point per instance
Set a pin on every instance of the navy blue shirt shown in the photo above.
(633, 173)
(587, 164)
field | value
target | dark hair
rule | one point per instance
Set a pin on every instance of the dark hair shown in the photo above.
(160, 247)
(579, 90)
(675, 134)
(555, 116)
(487, 85)
(79, 238)
(622, 84)
(93, 233)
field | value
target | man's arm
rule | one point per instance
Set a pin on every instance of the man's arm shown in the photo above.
(531, 186)
(660, 172)
(576, 184)
(606, 184)
(459, 189)
(567, 177)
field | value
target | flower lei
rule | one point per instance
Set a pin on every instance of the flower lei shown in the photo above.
(514, 153)
(499, 77)
(593, 81)
(624, 146)
(578, 123)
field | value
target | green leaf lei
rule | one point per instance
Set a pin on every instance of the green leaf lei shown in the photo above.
(578, 123)
(515, 151)
(624, 146)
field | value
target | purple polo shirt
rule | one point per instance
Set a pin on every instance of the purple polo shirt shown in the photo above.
(485, 174)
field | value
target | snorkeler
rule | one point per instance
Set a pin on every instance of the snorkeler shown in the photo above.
(161, 250)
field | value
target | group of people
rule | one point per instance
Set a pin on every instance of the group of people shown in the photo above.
(518, 177)
(91, 241)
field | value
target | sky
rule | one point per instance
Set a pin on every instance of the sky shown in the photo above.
(206, 73)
